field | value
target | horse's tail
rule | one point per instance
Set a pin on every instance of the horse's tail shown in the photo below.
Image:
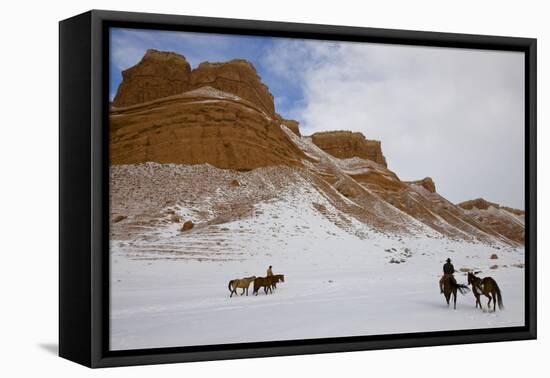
(464, 289)
(229, 285)
(499, 297)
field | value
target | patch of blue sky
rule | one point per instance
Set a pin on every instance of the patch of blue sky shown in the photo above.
(129, 45)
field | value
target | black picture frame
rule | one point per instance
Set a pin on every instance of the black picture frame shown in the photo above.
(83, 182)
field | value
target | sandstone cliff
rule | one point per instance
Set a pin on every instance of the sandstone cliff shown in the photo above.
(161, 74)
(347, 144)
(238, 77)
(293, 125)
(157, 75)
(200, 126)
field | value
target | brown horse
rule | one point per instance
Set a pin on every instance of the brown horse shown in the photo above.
(265, 282)
(450, 287)
(488, 287)
(276, 279)
(242, 283)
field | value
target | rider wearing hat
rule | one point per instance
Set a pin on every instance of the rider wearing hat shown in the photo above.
(448, 271)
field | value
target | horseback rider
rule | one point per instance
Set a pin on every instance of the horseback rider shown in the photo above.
(448, 271)
(269, 271)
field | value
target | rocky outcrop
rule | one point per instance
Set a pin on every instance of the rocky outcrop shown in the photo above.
(160, 74)
(292, 124)
(347, 144)
(482, 204)
(238, 77)
(200, 126)
(478, 203)
(188, 225)
(427, 183)
(504, 220)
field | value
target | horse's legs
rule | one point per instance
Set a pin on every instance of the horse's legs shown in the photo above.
(489, 301)
(232, 291)
(242, 292)
(479, 302)
(494, 301)
(454, 295)
(247, 291)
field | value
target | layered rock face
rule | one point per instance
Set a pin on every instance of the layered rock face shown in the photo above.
(238, 77)
(293, 125)
(418, 199)
(478, 203)
(157, 75)
(200, 126)
(505, 220)
(161, 74)
(427, 183)
(347, 144)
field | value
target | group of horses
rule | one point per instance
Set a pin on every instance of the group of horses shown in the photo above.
(480, 286)
(268, 283)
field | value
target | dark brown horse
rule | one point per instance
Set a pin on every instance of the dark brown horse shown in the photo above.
(264, 282)
(276, 279)
(488, 287)
(450, 287)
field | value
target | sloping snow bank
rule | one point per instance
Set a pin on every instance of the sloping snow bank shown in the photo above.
(340, 280)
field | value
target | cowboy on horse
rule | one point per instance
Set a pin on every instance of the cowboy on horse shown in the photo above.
(448, 273)
(448, 284)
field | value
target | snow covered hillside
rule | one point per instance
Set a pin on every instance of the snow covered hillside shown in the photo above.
(343, 274)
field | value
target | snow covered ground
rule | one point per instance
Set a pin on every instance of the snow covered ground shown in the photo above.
(342, 278)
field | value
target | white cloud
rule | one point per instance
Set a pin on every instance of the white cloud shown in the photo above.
(453, 114)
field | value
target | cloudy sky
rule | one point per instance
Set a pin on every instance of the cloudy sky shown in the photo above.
(455, 115)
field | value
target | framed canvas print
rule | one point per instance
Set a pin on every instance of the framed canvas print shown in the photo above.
(234, 188)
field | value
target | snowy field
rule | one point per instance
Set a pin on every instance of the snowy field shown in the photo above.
(338, 282)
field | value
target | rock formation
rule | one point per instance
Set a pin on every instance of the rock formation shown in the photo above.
(293, 125)
(478, 203)
(157, 75)
(504, 220)
(238, 77)
(427, 183)
(347, 144)
(201, 126)
(188, 225)
(161, 74)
